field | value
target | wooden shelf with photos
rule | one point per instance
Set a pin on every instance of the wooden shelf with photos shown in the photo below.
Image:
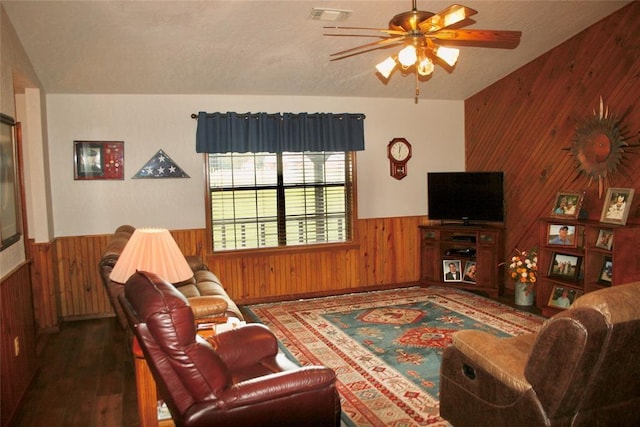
(462, 256)
(579, 256)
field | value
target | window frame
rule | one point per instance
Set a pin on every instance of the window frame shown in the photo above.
(350, 218)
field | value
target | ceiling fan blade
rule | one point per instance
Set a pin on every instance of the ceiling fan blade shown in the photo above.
(449, 16)
(389, 41)
(506, 38)
(382, 30)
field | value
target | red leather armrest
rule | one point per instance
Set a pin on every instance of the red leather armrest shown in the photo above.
(232, 345)
(277, 385)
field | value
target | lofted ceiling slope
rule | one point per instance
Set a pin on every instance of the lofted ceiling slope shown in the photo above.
(266, 47)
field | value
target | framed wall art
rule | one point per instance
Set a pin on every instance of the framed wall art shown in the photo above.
(562, 235)
(567, 204)
(565, 266)
(98, 160)
(10, 216)
(616, 206)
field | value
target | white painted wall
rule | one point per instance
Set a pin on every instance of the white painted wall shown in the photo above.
(147, 123)
(16, 73)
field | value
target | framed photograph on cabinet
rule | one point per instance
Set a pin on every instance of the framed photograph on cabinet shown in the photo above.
(605, 239)
(563, 297)
(565, 266)
(606, 273)
(98, 160)
(567, 204)
(470, 270)
(561, 235)
(616, 206)
(10, 212)
(452, 270)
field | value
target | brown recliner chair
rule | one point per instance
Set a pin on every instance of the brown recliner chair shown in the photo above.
(580, 369)
(235, 378)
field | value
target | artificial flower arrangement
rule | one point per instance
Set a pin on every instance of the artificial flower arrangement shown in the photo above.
(524, 269)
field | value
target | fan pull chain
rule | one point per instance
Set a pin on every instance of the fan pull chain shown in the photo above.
(417, 89)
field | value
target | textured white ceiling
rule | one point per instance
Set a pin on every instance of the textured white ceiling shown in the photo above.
(266, 47)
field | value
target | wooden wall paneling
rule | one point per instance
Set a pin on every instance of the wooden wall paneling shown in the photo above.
(45, 303)
(17, 322)
(80, 290)
(387, 253)
(371, 243)
(191, 241)
(524, 123)
(62, 272)
(267, 275)
(389, 248)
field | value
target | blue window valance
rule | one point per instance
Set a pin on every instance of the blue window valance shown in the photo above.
(276, 133)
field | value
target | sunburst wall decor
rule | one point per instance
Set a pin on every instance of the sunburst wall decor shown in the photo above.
(598, 147)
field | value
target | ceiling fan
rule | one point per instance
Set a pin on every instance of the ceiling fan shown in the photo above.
(426, 38)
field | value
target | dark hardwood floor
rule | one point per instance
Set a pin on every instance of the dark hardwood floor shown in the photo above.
(85, 378)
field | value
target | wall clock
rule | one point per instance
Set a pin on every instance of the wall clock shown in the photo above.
(399, 153)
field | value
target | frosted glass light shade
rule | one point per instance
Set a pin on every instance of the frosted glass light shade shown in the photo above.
(407, 56)
(447, 54)
(155, 251)
(386, 67)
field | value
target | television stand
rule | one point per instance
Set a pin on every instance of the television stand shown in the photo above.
(468, 247)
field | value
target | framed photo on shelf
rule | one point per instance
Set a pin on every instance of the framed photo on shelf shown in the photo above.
(617, 204)
(562, 235)
(98, 160)
(563, 297)
(451, 270)
(606, 273)
(605, 239)
(567, 204)
(565, 266)
(470, 270)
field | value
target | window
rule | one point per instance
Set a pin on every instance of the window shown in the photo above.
(262, 200)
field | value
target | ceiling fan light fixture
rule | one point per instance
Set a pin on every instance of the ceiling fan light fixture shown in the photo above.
(386, 67)
(408, 56)
(447, 54)
(425, 67)
(418, 34)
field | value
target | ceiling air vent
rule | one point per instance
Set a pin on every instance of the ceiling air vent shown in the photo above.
(324, 14)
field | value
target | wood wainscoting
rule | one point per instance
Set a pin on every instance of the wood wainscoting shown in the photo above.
(18, 340)
(386, 252)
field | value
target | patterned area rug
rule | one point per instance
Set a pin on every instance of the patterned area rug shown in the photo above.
(385, 346)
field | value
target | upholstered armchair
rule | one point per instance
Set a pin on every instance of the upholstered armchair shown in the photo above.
(580, 369)
(234, 378)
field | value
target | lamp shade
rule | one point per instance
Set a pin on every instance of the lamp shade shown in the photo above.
(155, 251)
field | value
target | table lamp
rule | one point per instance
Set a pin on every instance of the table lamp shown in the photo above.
(153, 250)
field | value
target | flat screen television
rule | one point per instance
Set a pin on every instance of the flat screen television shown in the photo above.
(466, 196)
